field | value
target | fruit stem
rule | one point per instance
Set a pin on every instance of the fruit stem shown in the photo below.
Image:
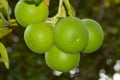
(69, 8)
(55, 18)
(60, 7)
(47, 2)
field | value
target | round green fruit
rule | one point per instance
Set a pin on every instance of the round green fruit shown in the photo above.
(30, 13)
(96, 35)
(70, 35)
(39, 37)
(61, 61)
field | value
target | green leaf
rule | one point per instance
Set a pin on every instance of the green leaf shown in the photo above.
(4, 55)
(3, 18)
(4, 3)
(4, 31)
(5, 10)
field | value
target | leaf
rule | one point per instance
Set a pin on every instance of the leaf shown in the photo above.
(4, 31)
(5, 10)
(3, 18)
(4, 55)
(9, 11)
(4, 3)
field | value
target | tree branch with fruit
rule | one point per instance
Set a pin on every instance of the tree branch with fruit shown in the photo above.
(61, 38)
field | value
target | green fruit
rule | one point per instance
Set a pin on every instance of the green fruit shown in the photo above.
(96, 35)
(61, 61)
(70, 35)
(39, 37)
(29, 13)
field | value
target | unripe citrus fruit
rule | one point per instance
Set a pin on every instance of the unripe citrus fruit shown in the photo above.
(39, 37)
(30, 13)
(70, 35)
(61, 61)
(96, 35)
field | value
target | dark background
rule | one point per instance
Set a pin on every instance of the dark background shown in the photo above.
(26, 65)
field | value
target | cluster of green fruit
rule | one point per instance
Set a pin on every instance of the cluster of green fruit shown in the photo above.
(61, 44)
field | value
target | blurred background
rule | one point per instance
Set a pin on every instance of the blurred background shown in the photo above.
(26, 65)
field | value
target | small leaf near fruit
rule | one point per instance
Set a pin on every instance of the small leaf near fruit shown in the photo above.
(4, 31)
(4, 55)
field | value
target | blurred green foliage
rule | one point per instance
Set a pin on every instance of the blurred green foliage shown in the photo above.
(26, 65)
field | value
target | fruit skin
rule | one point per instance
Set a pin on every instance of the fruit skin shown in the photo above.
(61, 61)
(39, 37)
(96, 35)
(29, 13)
(70, 35)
